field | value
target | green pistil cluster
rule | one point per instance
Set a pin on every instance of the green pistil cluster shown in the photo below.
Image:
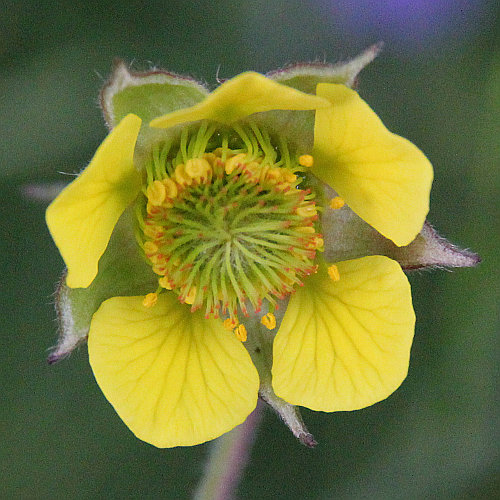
(224, 222)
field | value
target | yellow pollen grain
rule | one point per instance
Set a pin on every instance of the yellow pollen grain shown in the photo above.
(333, 272)
(164, 282)
(230, 323)
(150, 300)
(269, 321)
(306, 161)
(241, 333)
(337, 202)
(190, 296)
(234, 162)
(156, 193)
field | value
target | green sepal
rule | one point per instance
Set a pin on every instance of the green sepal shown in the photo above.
(347, 237)
(306, 76)
(298, 126)
(259, 344)
(123, 271)
(148, 95)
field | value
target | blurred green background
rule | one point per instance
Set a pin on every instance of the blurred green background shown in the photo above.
(437, 83)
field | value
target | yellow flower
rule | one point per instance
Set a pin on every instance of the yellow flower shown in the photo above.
(227, 217)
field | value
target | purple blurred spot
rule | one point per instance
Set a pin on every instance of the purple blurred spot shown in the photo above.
(414, 23)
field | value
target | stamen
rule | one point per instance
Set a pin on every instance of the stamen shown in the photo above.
(230, 323)
(165, 283)
(337, 202)
(182, 178)
(150, 300)
(197, 168)
(191, 295)
(241, 333)
(156, 193)
(170, 188)
(269, 321)
(307, 210)
(234, 163)
(306, 161)
(333, 272)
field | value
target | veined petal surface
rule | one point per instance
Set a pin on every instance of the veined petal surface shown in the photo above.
(174, 377)
(239, 97)
(344, 345)
(81, 219)
(383, 177)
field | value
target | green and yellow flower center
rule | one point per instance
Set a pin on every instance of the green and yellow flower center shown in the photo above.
(225, 223)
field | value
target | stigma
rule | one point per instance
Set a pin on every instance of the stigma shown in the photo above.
(225, 223)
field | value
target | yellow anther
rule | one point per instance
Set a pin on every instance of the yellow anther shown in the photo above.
(234, 162)
(151, 209)
(150, 248)
(305, 229)
(156, 193)
(181, 177)
(269, 321)
(171, 190)
(190, 296)
(253, 170)
(306, 161)
(241, 333)
(273, 175)
(308, 210)
(315, 243)
(197, 168)
(153, 231)
(288, 176)
(211, 158)
(319, 243)
(230, 323)
(157, 260)
(159, 269)
(337, 202)
(164, 282)
(150, 300)
(333, 272)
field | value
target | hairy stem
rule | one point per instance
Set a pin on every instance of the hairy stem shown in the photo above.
(227, 460)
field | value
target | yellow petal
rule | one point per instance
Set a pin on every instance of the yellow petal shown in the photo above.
(174, 377)
(384, 178)
(345, 344)
(239, 97)
(81, 219)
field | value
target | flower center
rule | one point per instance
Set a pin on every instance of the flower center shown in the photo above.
(224, 221)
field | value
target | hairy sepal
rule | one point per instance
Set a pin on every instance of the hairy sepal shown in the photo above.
(122, 272)
(348, 237)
